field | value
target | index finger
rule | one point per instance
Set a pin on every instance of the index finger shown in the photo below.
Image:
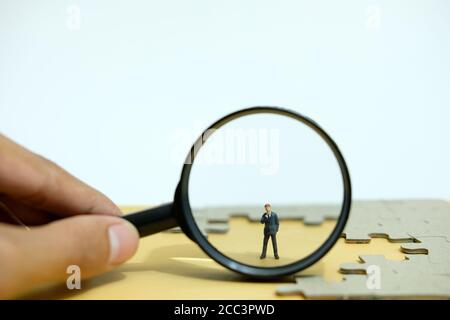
(41, 183)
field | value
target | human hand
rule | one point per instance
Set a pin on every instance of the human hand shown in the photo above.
(68, 223)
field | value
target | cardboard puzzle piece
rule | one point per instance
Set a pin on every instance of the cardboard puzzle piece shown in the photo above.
(356, 287)
(206, 227)
(398, 221)
(378, 278)
(309, 214)
(417, 265)
(424, 226)
(215, 220)
(436, 249)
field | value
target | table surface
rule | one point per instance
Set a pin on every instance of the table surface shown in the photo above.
(170, 266)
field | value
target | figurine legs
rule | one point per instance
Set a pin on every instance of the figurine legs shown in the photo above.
(274, 245)
(264, 250)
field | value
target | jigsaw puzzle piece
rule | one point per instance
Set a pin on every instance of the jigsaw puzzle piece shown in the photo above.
(396, 279)
(356, 287)
(424, 218)
(316, 287)
(206, 227)
(370, 219)
(437, 249)
(313, 215)
(387, 266)
(398, 221)
(310, 214)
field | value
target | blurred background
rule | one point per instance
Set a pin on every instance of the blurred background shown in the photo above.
(116, 91)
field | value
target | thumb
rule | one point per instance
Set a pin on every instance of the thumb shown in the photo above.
(93, 243)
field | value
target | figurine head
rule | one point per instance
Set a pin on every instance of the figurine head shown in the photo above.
(268, 207)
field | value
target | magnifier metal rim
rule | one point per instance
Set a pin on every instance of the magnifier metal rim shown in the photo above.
(260, 272)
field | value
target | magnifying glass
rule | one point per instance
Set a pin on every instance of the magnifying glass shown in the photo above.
(264, 191)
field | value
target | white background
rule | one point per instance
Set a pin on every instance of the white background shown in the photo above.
(106, 99)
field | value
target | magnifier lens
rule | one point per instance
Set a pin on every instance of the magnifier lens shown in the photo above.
(261, 159)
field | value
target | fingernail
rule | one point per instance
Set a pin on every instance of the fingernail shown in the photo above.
(123, 242)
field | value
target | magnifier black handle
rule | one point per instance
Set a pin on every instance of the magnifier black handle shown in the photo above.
(153, 220)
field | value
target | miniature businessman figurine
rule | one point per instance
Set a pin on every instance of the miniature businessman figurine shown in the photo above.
(271, 226)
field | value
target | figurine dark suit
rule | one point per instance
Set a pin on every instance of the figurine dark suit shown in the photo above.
(271, 226)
